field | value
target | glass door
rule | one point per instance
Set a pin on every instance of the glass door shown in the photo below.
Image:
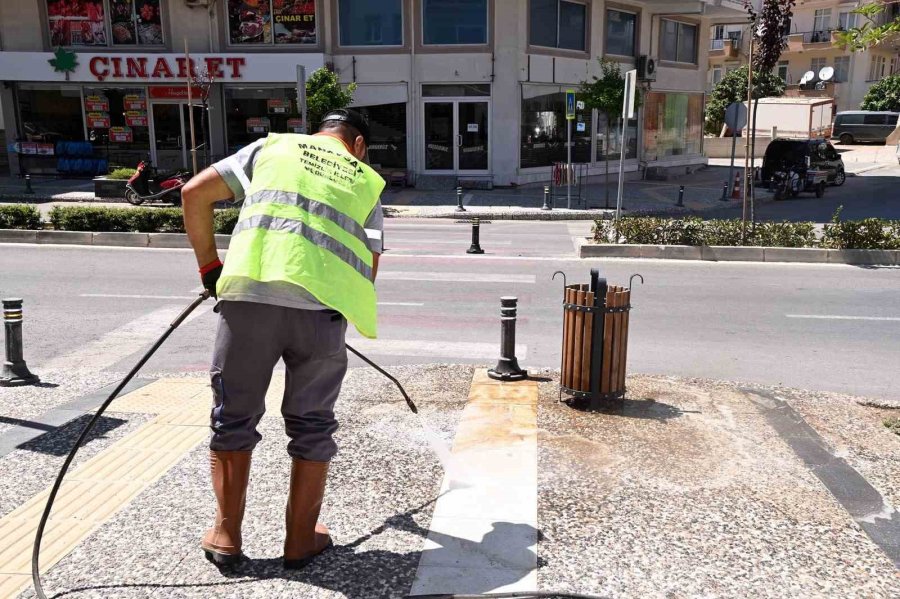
(172, 135)
(440, 141)
(168, 136)
(472, 128)
(456, 136)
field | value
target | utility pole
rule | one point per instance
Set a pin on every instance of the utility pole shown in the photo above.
(628, 101)
(747, 157)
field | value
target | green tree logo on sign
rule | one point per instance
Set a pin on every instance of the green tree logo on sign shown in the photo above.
(64, 61)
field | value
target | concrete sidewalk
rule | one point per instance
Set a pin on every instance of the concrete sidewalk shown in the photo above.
(688, 488)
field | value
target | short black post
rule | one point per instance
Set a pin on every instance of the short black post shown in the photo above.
(507, 369)
(475, 248)
(546, 205)
(459, 204)
(724, 193)
(28, 189)
(15, 372)
(680, 203)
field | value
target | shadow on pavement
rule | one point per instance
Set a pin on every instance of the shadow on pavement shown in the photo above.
(642, 409)
(59, 441)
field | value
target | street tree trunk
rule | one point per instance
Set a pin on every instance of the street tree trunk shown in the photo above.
(606, 160)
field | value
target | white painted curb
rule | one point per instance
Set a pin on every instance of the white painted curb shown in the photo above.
(156, 240)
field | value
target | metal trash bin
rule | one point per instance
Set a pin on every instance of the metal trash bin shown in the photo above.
(594, 342)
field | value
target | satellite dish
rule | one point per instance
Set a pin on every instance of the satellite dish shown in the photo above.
(826, 73)
(807, 77)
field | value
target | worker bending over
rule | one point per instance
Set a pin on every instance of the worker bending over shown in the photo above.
(301, 263)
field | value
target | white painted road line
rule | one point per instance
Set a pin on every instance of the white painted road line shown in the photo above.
(125, 296)
(122, 342)
(455, 277)
(432, 349)
(461, 241)
(837, 317)
(400, 304)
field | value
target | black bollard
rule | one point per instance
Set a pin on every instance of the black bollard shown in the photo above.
(459, 205)
(725, 192)
(28, 189)
(680, 203)
(475, 248)
(546, 205)
(507, 369)
(15, 372)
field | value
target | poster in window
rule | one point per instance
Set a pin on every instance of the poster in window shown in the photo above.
(121, 135)
(96, 103)
(98, 120)
(295, 125)
(135, 118)
(136, 22)
(278, 105)
(295, 21)
(250, 21)
(134, 102)
(76, 22)
(46, 149)
(258, 125)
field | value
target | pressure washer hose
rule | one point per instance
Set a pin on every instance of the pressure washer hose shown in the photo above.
(38, 537)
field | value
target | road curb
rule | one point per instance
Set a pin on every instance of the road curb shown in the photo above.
(108, 239)
(587, 249)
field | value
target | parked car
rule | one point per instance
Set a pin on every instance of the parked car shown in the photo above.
(803, 155)
(859, 125)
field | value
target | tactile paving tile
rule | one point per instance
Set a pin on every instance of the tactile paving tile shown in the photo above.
(96, 490)
(165, 395)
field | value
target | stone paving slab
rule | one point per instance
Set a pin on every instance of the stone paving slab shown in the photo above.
(686, 491)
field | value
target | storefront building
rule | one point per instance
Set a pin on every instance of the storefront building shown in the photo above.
(455, 90)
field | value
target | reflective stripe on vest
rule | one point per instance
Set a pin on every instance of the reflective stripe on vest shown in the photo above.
(302, 223)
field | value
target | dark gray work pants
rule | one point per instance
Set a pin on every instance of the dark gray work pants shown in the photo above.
(251, 338)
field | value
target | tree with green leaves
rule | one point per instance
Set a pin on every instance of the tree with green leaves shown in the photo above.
(733, 88)
(883, 95)
(606, 93)
(880, 22)
(323, 94)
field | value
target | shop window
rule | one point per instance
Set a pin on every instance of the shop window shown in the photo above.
(272, 21)
(609, 142)
(543, 139)
(252, 113)
(371, 22)
(87, 22)
(678, 42)
(621, 28)
(451, 22)
(817, 64)
(50, 115)
(387, 124)
(117, 124)
(673, 124)
(558, 24)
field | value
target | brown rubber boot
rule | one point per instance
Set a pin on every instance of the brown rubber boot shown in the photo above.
(306, 538)
(230, 473)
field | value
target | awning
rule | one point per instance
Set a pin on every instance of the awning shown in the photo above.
(373, 94)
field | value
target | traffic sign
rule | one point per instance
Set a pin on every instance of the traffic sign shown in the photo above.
(736, 116)
(570, 104)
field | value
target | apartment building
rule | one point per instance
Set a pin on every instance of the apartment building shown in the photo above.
(470, 90)
(810, 48)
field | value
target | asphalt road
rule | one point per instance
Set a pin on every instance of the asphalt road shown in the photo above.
(872, 193)
(822, 327)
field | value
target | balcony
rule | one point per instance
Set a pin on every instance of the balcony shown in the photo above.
(725, 48)
(811, 40)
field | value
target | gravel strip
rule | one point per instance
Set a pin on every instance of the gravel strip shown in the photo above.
(380, 496)
(686, 492)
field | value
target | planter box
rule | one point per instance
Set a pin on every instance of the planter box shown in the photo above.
(109, 188)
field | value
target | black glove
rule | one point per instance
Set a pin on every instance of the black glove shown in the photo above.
(209, 276)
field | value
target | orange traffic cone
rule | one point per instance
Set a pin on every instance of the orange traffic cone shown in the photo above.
(736, 189)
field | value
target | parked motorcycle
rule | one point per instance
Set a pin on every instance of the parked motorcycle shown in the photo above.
(146, 185)
(789, 181)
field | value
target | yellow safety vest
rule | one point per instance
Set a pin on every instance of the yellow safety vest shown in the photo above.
(302, 224)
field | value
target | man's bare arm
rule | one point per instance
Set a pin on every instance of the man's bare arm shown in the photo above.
(197, 199)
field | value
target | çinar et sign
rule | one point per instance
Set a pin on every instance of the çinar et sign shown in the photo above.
(129, 67)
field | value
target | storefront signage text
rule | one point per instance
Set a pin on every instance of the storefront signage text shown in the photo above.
(295, 125)
(135, 118)
(173, 92)
(161, 67)
(121, 134)
(98, 120)
(96, 103)
(258, 125)
(278, 106)
(135, 102)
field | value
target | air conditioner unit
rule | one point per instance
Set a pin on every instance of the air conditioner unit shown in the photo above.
(646, 68)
